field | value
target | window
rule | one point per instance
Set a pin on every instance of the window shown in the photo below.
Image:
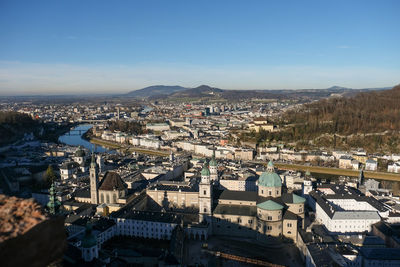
(289, 225)
(301, 210)
(239, 220)
(269, 228)
(262, 191)
(277, 192)
(250, 221)
(270, 192)
(205, 192)
(269, 218)
(205, 209)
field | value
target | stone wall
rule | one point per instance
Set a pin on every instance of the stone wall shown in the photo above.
(28, 237)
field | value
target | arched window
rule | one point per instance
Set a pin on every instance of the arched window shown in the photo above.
(107, 198)
(102, 198)
(114, 198)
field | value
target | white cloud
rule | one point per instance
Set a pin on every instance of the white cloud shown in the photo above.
(35, 78)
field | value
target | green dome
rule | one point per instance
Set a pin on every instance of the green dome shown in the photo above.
(213, 162)
(270, 205)
(89, 240)
(205, 171)
(80, 152)
(270, 178)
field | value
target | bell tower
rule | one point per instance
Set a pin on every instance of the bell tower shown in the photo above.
(94, 181)
(205, 195)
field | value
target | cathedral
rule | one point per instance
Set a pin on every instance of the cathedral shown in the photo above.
(256, 214)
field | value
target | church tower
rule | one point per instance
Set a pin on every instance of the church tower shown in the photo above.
(54, 204)
(361, 179)
(100, 163)
(90, 250)
(205, 195)
(94, 181)
(213, 169)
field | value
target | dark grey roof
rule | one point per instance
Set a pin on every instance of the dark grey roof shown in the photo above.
(235, 210)
(102, 224)
(112, 181)
(381, 253)
(289, 216)
(83, 193)
(69, 165)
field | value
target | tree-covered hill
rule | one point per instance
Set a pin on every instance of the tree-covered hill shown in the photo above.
(368, 119)
(13, 125)
(368, 112)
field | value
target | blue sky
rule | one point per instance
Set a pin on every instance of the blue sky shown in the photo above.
(67, 47)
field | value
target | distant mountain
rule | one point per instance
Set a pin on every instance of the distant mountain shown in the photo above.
(156, 90)
(201, 91)
(162, 92)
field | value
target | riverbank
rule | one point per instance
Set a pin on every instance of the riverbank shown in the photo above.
(127, 148)
(336, 171)
(75, 138)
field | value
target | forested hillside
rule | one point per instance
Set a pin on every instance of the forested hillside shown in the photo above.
(363, 113)
(13, 125)
(370, 120)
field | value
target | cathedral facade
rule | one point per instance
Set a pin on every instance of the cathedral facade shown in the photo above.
(257, 214)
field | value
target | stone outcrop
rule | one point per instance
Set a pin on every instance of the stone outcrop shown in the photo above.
(28, 237)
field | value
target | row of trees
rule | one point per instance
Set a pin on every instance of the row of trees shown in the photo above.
(130, 127)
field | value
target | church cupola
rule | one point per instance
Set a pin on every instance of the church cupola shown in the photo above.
(270, 183)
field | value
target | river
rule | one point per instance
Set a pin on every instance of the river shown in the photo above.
(73, 138)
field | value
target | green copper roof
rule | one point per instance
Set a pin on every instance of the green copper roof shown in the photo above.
(270, 164)
(89, 240)
(270, 179)
(308, 173)
(80, 152)
(298, 199)
(213, 162)
(269, 205)
(205, 171)
(53, 204)
(93, 162)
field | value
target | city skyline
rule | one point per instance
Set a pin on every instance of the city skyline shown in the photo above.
(99, 47)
